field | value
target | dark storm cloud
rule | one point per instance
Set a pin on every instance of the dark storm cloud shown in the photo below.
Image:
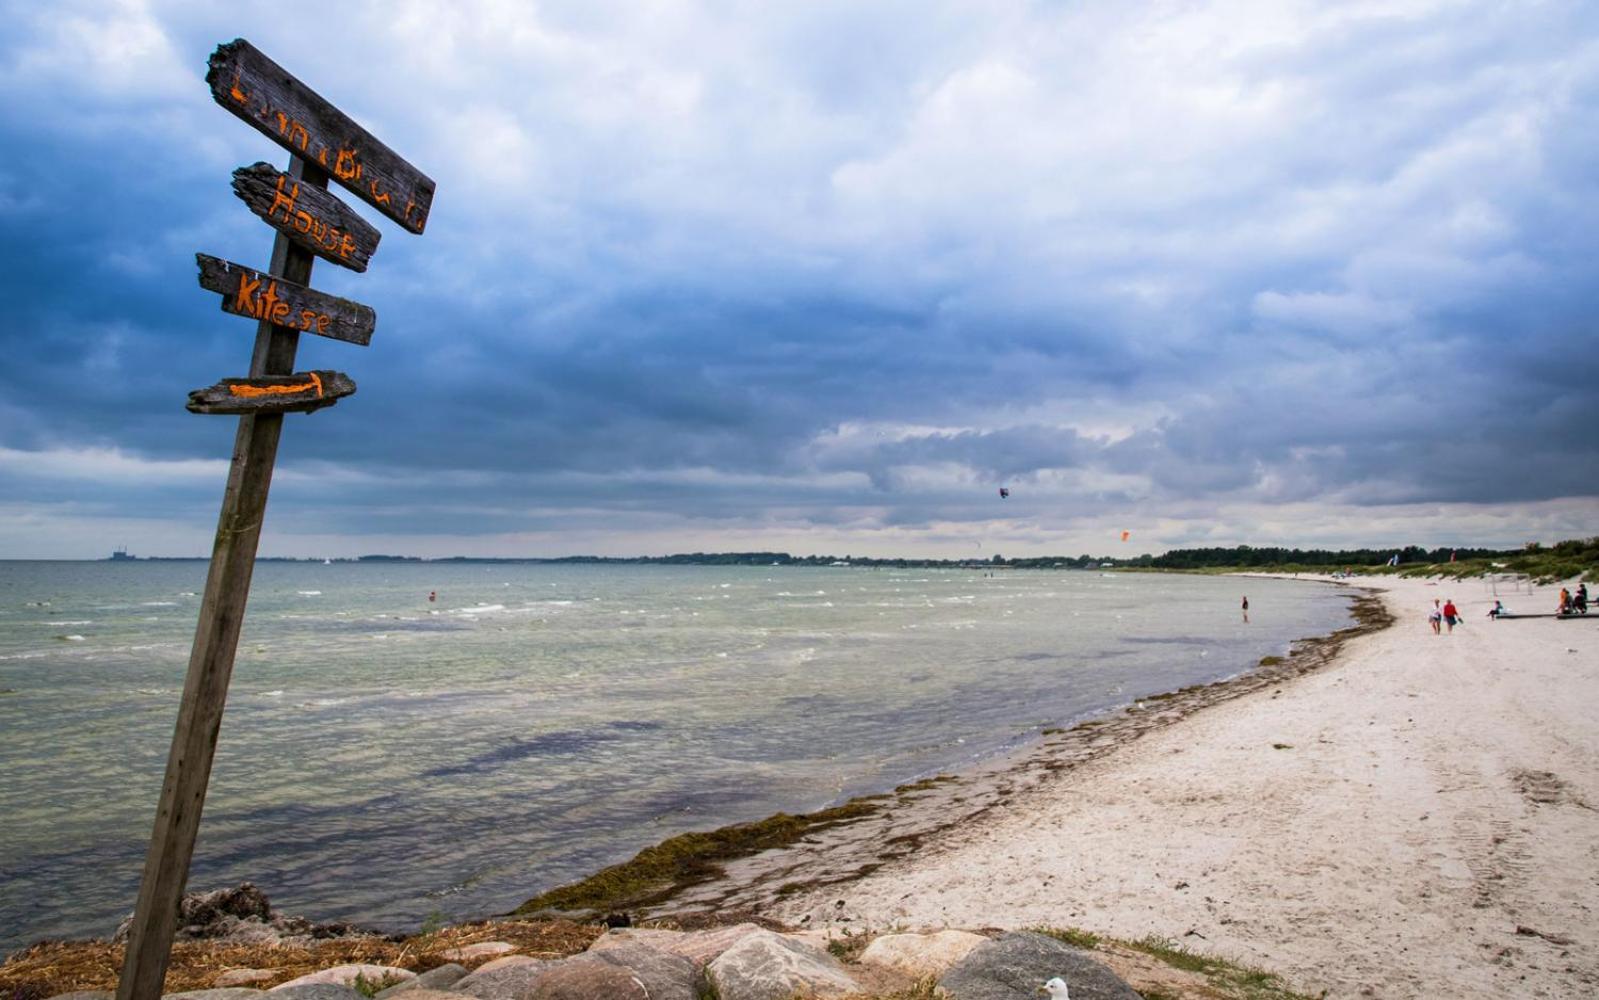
(835, 269)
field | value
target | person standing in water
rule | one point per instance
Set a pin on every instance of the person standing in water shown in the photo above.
(1246, 609)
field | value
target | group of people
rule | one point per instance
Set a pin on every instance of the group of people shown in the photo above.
(1443, 614)
(1573, 604)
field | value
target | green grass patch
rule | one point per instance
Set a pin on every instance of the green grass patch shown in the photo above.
(1230, 979)
(655, 873)
(1074, 936)
(1270, 661)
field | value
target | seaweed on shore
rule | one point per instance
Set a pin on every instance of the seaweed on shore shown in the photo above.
(659, 872)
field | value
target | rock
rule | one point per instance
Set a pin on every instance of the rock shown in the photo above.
(243, 977)
(1019, 963)
(442, 978)
(699, 947)
(663, 975)
(919, 955)
(226, 993)
(767, 966)
(85, 995)
(424, 993)
(590, 977)
(466, 953)
(346, 975)
(315, 991)
(505, 963)
(510, 978)
(203, 914)
(241, 915)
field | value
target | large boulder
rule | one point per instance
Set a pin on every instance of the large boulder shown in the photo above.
(663, 975)
(589, 977)
(699, 947)
(1019, 963)
(347, 975)
(510, 978)
(918, 955)
(222, 993)
(443, 978)
(767, 966)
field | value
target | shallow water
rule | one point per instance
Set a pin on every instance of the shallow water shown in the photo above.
(384, 758)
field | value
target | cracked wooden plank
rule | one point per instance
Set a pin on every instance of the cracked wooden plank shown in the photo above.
(249, 293)
(301, 392)
(275, 103)
(308, 215)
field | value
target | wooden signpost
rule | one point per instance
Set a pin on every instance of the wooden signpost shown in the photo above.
(310, 222)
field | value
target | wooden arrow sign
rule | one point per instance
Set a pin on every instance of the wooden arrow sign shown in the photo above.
(269, 98)
(310, 216)
(301, 392)
(253, 295)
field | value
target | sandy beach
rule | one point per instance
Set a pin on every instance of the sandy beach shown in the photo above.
(1415, 819)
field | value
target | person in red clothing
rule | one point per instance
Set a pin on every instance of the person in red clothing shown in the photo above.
(1451, 614)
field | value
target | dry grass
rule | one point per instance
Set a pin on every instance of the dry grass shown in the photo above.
(60, 967)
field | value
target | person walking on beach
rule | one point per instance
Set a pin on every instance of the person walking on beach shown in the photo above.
(1565, 602)
(1451, 613)
(1246, 609)
(1435, 618)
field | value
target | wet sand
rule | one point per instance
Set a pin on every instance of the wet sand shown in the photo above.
(1409, 815)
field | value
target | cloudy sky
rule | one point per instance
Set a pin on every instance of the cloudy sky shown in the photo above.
(822, 276)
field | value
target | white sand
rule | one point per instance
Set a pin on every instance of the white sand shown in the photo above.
(1435, 793)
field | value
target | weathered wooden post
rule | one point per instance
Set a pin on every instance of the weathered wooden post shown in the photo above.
(311, 222)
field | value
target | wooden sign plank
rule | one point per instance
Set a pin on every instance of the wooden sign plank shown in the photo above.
(268, 97)
(301, 392)
(253, 295)
(310, 216)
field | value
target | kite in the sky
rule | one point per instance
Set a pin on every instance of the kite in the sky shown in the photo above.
(1004, 493)
(1126, 535)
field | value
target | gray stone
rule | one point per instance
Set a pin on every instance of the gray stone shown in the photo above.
(443, 978)
(479, 950)
(663, 975)
(590, 977)
(511, 978)
(346, 975)
(315, 991)
(243, 977)
(918, 955)
(505, 963)
(222, 993)
(1019, 963)
(767, 966)
(85, 995)
(423, 993)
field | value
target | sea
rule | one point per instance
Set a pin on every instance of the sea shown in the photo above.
(416, 741)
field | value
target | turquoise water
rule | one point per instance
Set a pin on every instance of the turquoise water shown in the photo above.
(384, 758)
